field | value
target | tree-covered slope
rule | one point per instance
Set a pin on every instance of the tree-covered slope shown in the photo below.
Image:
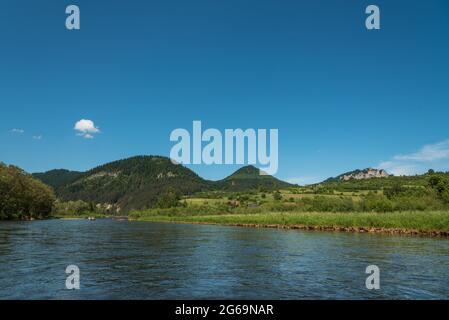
(132, 183)
(249, 178)
(58, 177)
(139, 182)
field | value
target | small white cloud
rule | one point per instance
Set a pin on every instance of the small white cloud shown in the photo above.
(18, 131)
(86, 128)
(38, 137)
(429, 156)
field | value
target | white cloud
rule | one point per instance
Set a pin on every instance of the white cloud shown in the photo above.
(430, 152)
(433, 156)
(18, 131)
(38, 137)
(86, 128)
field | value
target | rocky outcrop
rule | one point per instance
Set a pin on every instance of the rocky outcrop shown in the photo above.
(365, 174)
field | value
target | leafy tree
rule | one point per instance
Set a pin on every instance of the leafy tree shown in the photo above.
(277, 196)
(440, 183)
(169, 199)
(22, 196)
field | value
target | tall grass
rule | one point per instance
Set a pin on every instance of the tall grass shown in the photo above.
(421, 221)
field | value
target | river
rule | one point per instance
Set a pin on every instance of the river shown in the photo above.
(144, 260)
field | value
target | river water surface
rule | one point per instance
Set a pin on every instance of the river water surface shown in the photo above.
(143, 260)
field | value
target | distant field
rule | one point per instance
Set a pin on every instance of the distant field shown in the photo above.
(267, 198)
(200, 201)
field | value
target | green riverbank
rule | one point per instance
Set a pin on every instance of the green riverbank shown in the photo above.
(434, 223)
(81, 216)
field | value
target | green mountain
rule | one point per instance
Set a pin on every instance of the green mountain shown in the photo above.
(132, 183)
(58, 177)
(138, 182)
(249, 177)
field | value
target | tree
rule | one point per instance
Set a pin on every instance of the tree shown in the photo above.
(168, 199)
(22, 196)
(277, 196)
(440, 184)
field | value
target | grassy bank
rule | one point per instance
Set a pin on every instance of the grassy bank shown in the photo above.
(432, 223)
(80, 216)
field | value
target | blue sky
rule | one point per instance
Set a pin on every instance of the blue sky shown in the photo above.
(341, 96)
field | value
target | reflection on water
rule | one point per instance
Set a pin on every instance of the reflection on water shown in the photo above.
(141, 260)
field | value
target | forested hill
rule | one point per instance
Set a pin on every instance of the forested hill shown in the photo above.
(58, 177)
(249, 177)
(139, 182)
(132, 183)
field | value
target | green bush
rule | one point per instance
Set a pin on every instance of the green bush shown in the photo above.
(277, 196)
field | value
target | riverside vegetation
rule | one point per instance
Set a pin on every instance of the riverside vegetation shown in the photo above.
(22, 196)
(154, 189)
(395, 209)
